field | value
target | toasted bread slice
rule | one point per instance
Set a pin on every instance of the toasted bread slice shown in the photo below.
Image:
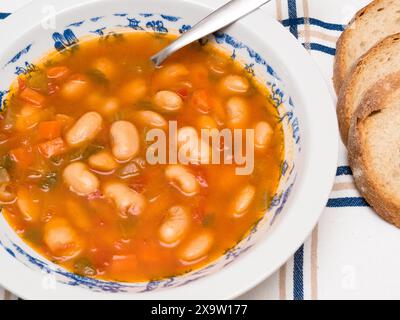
(374, 148)
(376, 64)
(370, 25)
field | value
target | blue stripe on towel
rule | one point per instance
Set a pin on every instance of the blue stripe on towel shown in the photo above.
(292, 16)
(4, 15)
(322, 48)
(315, 22)
(347, 202)
(298, 285)
(344, 171)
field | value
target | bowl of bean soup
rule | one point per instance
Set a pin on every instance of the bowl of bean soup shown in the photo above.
(119, 179)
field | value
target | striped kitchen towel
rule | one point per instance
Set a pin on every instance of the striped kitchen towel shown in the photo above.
(351, 253)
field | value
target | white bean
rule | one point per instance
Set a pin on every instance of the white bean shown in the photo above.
(7, 196)
(102, 161)
(262, 135)
(124, 140)
(237, 113)
(175, 225)
(235, 84)
(182, 179)
(193, 149)
(75, 88)
(27, 206)
(109, 106)
(197, 248)
(151, 119)
(133, 91)
(62, 239)
(243, 201)
(127, 201)
(105, 66)
(85, 129)
(80, 180)
(168, 101)
(174, 71)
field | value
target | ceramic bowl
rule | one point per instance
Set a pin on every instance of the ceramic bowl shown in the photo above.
(271, 55)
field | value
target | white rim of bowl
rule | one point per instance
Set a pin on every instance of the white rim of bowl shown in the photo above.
(319, 160)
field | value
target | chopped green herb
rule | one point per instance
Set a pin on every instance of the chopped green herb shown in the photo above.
(127, 226)
(6, 162)
(208, 220)
(48, 182)
(56, 160)
(38, 81)
(4, 176)
(118, 116)
(144, 104)
(91, 150)
(97, 76)
(34, 236)
(48, 63)
(84, 267)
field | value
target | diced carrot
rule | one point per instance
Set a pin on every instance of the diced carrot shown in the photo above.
(49, 130)
(52, 148)
(32, 96)
(21, 84)
(57, 72)
(202, 101)
(23, 157)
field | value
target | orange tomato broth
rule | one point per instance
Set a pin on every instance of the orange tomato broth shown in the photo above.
(105, 244)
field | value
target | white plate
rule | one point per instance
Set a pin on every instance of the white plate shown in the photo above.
(315, 165)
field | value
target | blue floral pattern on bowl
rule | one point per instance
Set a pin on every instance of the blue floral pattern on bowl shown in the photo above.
(103, 26)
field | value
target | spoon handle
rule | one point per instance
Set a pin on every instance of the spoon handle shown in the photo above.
(220, 18)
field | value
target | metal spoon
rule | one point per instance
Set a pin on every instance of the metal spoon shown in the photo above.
(220, 18)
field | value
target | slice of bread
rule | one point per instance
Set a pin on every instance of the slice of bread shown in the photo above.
(374, 148)
(378, 20)
(376, 64)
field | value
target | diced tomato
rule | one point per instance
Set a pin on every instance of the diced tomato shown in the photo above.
(57, 72)
(22, 156)
(200, 175)
(52, 148)
(198, 215)
(52, 88)
(183, 92)
(32, 96)
(202, 101)
(138, 185)
(95, 195)
(49, 130)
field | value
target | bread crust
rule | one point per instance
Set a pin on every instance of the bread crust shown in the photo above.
(340, 67)
(344, 107)
(374, 100)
